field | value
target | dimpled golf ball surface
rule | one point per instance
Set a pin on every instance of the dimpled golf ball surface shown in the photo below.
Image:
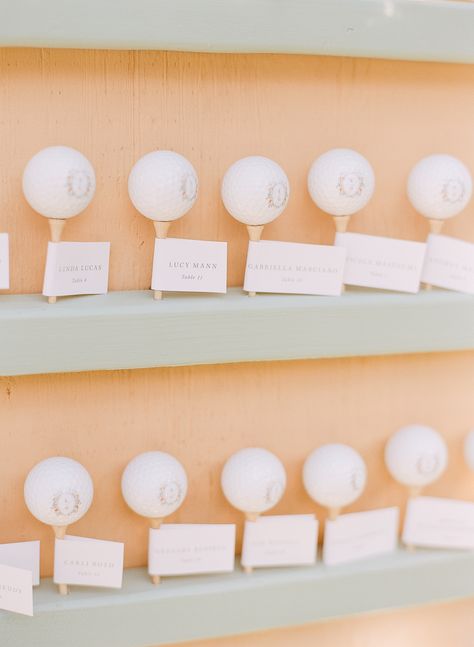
(416, 455)
(255, 190)
(341, 182)
(58, 491)
(154, 484)
(439, 186)
(334, 475)
(59, 182)
(163, 185)
(469, 449)
(253, 480)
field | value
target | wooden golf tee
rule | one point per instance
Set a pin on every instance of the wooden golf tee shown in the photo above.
(255, 234)
(250, 516)
(161, 232)
(413, 492)
(341, 223)
(435, 228)
(59, 532)
(155, 524)
(334, 513)
(56, 227)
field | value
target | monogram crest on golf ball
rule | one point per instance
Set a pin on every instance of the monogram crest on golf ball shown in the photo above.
(416, 455)
(341, 182)
(439, 186)
(58, 491)
(253, 480)
(79, 183)
(170, 493)
(255, 190)
(66, 503)
(154, 484)
(59, 182)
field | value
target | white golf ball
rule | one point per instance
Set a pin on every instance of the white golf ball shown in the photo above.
(59, 182)
(416, 455)
(58, 491)
(154, 484)
(469, 449)
(255, 190)
(163, 186)
(334, 475)
(253, 480)
(439, 186)
(341, 182)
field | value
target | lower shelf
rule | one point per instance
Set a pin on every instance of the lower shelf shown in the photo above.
(184, 609)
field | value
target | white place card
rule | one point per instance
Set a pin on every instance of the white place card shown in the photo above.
(383, 263)
(280, 540)
(16, 590)
(360, 535)
(449, 264)
(4, 263)
(22, 554)
(76, 268)
(181, 265)
(294, 268)
(188, 548)
(439, 523)
(88, 562)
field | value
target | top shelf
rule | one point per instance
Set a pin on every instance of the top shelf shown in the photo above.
(123, 330)
(436, 30)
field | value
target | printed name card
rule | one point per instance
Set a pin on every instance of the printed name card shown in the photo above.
(23, 554)
(16, 590)
(4, 263)
(76, 268)
(449, 264)
(280, 540)
(383, 263)
(181, 265)
(187, 549)
(360, 535)
(439, 523)
(294, 268)
(88, 562)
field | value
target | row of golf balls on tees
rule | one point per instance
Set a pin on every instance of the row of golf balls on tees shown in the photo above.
(59, 182)
(58, 491)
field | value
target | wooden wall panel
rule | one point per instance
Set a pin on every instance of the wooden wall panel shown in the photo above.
(203, 414)
(116, 106)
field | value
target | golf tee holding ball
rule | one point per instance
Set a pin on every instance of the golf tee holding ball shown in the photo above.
(58, 491)
(163, 186)
(255, 191)
(253, 481)
(154, 485)
(58, 183)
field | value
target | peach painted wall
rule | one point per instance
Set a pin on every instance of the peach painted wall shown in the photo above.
(115, 106)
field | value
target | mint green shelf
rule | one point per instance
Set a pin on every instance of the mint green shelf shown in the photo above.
(192, 608)
(432, 30)
(123, 330)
